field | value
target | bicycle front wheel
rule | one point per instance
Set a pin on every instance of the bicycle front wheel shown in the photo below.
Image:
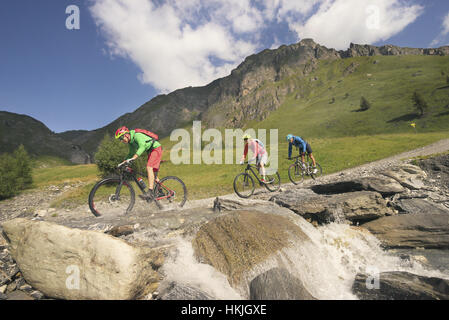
(244, 185)
(296, 173)
(273, 182)
(111, 196)
(170, 193)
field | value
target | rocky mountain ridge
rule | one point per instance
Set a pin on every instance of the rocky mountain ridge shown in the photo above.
(257, 87)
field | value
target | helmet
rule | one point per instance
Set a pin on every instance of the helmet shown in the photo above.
(246, 136)
(289, 136)
(121, 131)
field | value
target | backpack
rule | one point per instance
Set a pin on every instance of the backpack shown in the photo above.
(260, 143)
(148, 133)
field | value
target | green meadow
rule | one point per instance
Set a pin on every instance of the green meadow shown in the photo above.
(325, 110)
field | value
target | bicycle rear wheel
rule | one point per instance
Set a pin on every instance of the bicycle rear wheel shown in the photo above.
(273, 182)
(319, 170)
(244, 185)
(296, 173)
(111, 196)
(170, 193)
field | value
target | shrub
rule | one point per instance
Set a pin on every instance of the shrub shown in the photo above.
(111, 152)
(364, 104)
(15, 172)
(419, 103)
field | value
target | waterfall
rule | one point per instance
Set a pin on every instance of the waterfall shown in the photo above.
(326, 263)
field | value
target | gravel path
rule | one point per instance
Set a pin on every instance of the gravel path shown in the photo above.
(31, 202)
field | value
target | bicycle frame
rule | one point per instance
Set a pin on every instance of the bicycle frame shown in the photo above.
(251, 168)
(129, 174)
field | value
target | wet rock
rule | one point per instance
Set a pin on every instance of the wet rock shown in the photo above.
(409, 176)
(278, 284)
(236, 242)
(401, 286)
(384, 185)
(356, 207)
(412, 230)
(98, 266)
(224, 204)
(178, 291)
(420, 206)
(119, 231)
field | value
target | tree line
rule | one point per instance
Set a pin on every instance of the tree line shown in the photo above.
(15, 172)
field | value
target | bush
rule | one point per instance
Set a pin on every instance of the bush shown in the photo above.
(111, 152)
(364, 104)
(15, 173)
(419, 103)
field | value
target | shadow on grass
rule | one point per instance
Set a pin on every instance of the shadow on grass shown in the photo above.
(443, 114)
(360, 110)
(406, 117)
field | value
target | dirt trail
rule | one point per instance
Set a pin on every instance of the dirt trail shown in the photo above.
(30, 202)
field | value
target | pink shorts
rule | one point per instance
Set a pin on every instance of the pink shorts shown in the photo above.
(154, 159)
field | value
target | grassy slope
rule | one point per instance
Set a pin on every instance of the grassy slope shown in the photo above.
(341, 138)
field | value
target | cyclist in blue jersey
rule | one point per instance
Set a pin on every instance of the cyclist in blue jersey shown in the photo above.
(303, 146)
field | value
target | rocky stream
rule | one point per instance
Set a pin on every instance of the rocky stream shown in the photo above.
(379, 231)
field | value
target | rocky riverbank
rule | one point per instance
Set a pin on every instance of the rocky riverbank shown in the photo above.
(314, 241)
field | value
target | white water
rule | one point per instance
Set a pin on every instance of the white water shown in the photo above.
(327, 263)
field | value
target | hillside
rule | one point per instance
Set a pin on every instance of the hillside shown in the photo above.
(281, 79)
(302, 85)
(16, 129)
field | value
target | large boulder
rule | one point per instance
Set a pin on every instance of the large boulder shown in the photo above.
(418, 205)
(278, 284)
(240, 240)
(399, 285)
(422, 230)
(409, 176)
(383, 185)
(356, 207)
(70, 263)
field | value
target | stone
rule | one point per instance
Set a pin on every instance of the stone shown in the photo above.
(119, 231)
(37, 295)
(356, 207)
(384, 185)
(408, 175)
(3, 296)
(3, 288)
(399, 285)
(420, 206)
(236, 242)
(430, 231)
(178, 291)
(19, 295)
(67, 263)
(278, 284)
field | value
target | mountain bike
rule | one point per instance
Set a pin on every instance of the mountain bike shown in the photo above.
(244, 185)
(116, 194)
(297, 171)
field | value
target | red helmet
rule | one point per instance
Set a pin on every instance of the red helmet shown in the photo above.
(121, 131)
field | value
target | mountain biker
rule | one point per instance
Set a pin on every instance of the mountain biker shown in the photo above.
(260, 154)
(139, 143)
(303, 147)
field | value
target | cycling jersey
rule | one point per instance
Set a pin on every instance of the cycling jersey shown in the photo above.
(297, 142)
(256, 149)
(140, 142)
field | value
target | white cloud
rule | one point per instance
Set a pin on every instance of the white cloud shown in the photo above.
(440, 38)
(171, 52)
(337, 23)
(177, 43)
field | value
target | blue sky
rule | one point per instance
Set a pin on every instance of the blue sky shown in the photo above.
(127, 52)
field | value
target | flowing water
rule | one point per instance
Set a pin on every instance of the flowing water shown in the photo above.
(327, 263)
